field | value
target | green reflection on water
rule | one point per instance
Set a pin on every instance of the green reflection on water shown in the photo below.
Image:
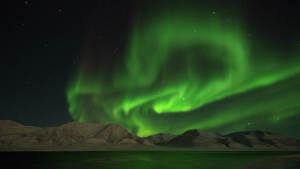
(156, 159)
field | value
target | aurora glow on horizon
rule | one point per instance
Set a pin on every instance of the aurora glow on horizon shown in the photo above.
(184, 70)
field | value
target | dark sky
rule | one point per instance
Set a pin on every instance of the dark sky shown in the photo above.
(43, 41)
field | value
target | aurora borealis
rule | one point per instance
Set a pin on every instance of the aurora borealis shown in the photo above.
(187, 68)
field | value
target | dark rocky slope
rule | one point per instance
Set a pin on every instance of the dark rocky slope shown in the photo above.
(248, 140)
(160, 139)
(260, 139)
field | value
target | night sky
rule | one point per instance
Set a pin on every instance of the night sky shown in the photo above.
(153, 67)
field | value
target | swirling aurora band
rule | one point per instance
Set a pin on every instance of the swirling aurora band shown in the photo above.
(183, 71)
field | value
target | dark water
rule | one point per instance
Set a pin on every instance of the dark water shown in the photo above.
(137, 160)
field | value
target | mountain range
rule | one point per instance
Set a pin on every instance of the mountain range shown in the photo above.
(92, 136)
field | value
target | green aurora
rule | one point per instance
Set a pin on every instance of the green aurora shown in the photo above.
(184, 70)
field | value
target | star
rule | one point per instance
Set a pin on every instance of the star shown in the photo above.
(26, 2)
(116, 50)
(59, 10)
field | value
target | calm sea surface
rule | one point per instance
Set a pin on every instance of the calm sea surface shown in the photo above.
(137, 160)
